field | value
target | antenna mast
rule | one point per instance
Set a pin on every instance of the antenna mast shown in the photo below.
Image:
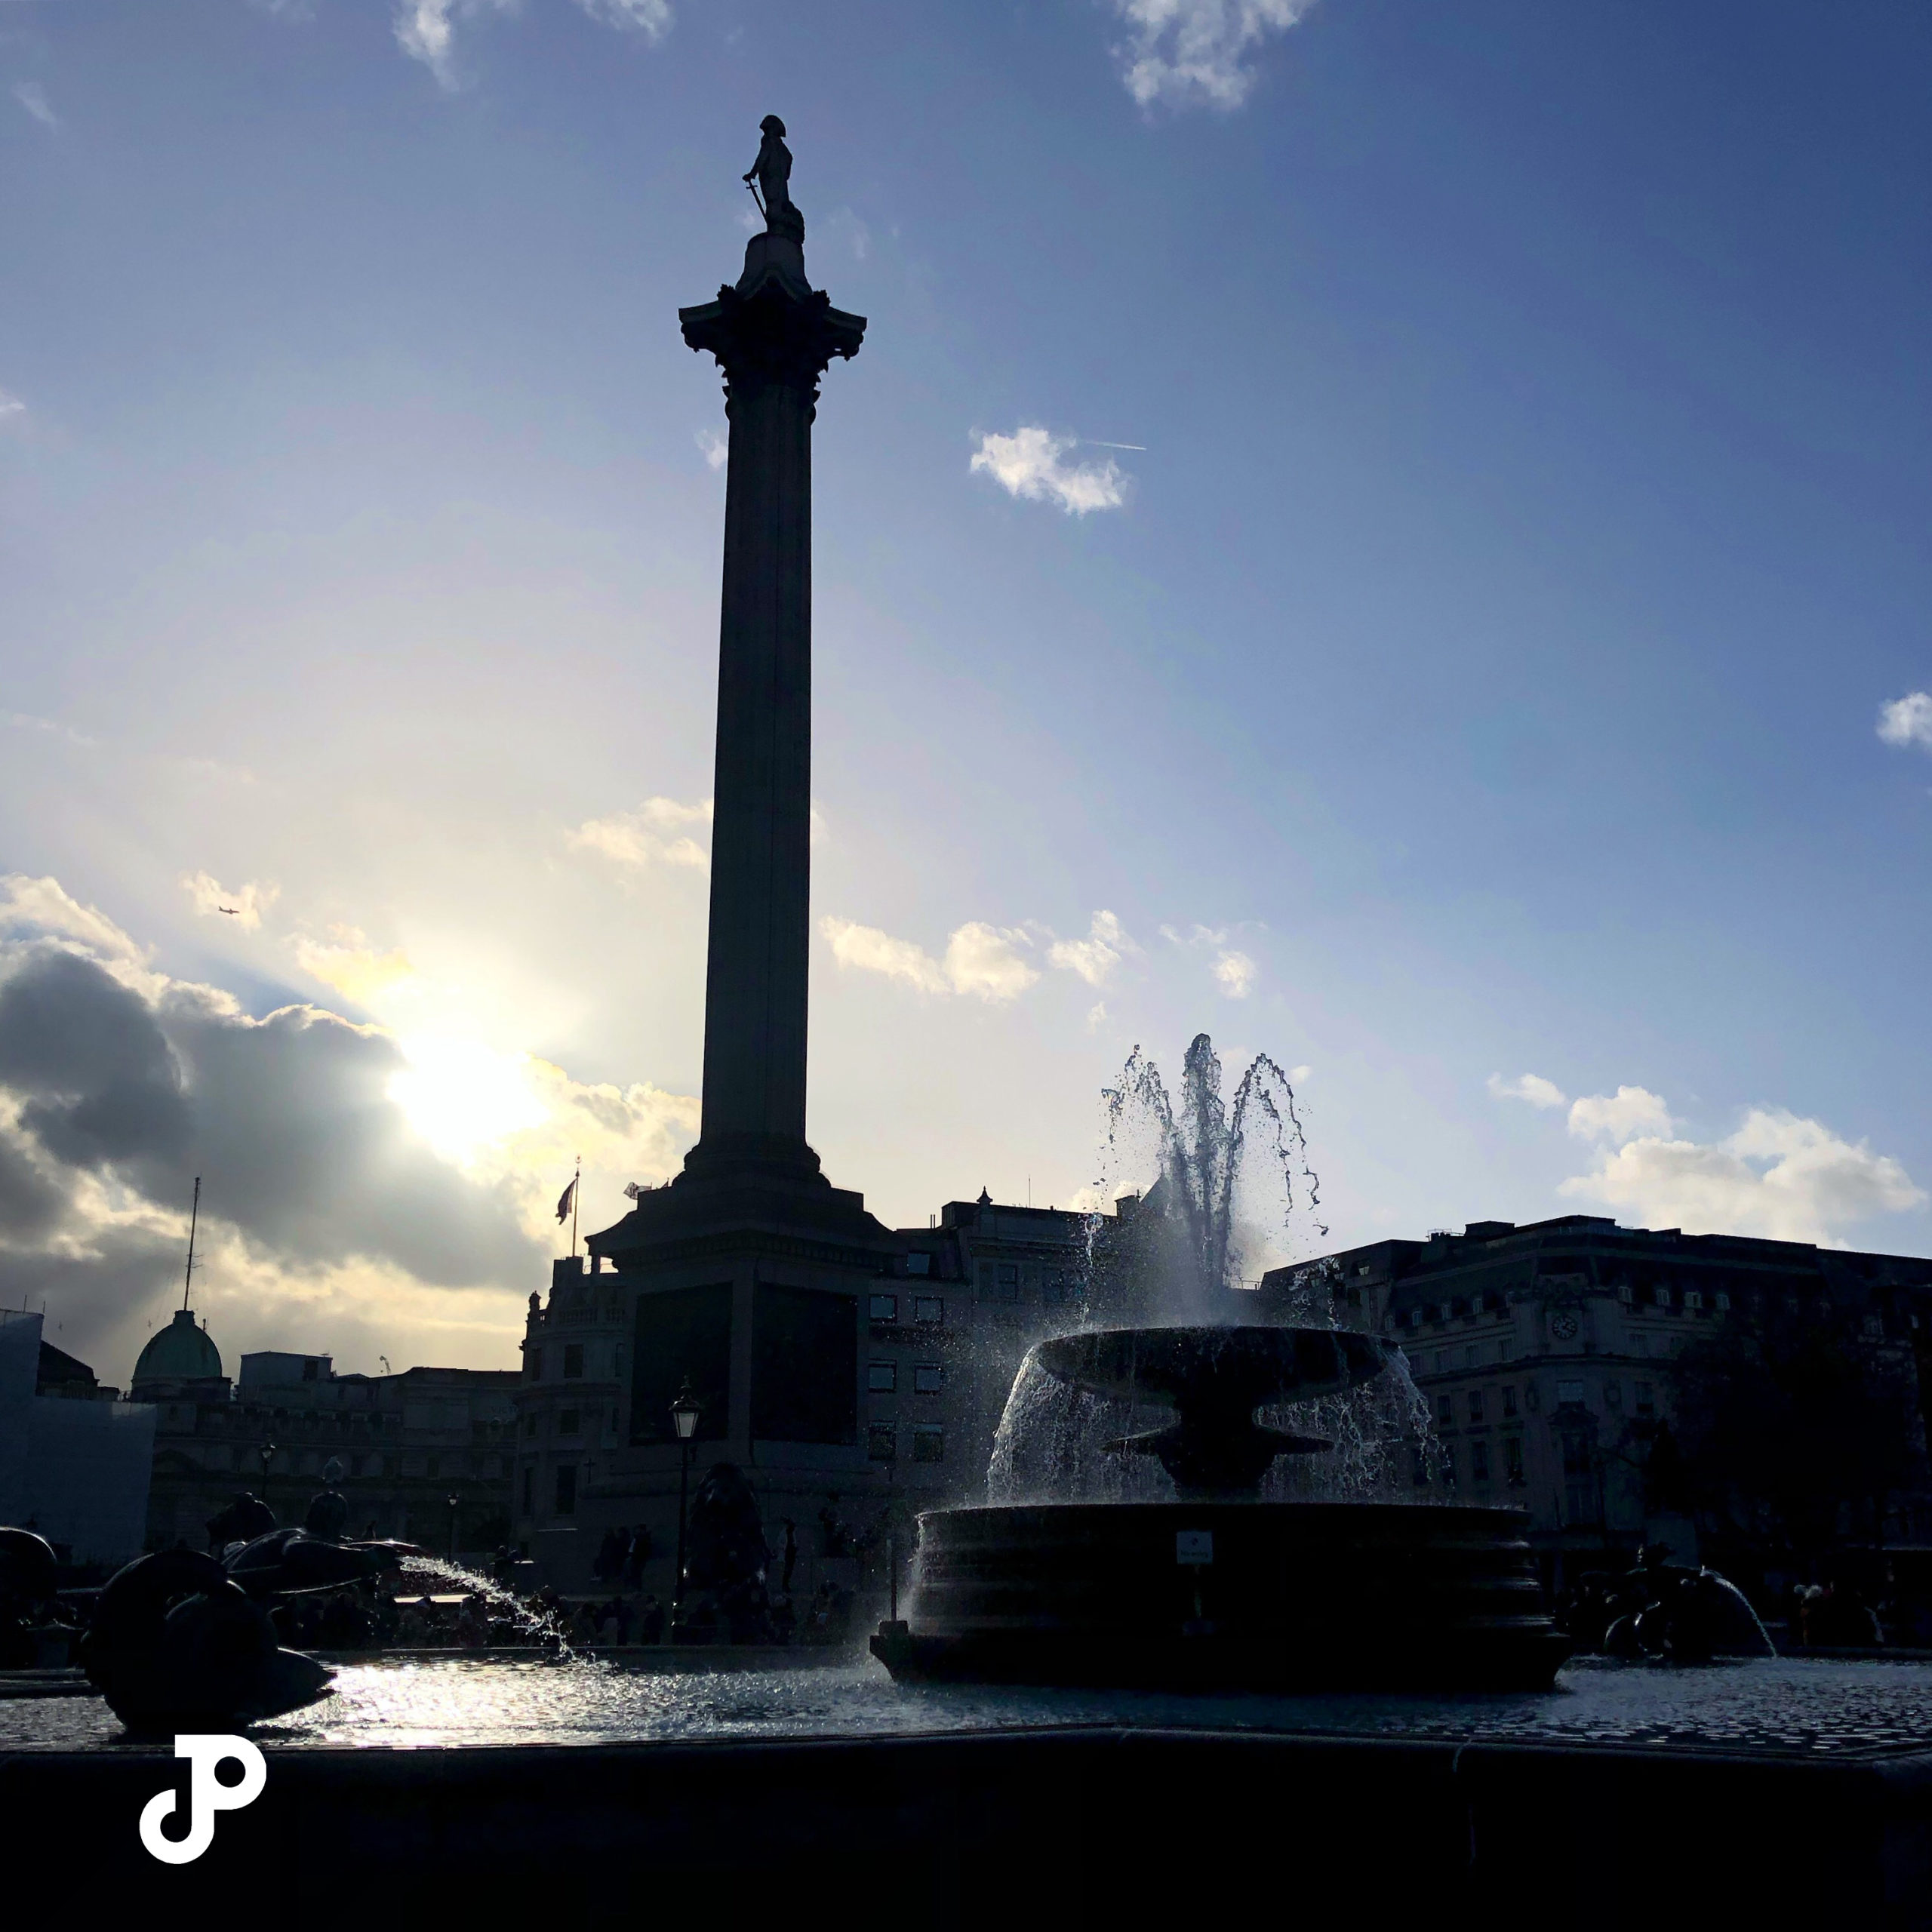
(194, 1217)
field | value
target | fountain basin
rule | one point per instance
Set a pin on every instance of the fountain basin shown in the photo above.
(1211, 1596)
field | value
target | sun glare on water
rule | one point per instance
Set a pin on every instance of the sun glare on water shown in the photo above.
(462, 1097)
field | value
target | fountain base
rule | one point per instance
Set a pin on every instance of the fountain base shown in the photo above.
(1239, 1596)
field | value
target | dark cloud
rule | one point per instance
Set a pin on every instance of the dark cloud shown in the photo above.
(287, 1119)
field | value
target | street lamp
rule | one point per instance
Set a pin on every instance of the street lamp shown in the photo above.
(452, 1500)
(266, 1452)
(684, 1413)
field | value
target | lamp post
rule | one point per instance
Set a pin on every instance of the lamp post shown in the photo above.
(266, 1452)
(452, 1499)
(684, 1413)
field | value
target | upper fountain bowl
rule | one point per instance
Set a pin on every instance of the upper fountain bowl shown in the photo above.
(1214, 1379)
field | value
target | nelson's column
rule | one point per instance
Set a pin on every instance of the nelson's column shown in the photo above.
(745, 1274)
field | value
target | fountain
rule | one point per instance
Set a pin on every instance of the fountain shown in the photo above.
(1218, 1588)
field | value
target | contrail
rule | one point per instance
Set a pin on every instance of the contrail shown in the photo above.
(1094, 443)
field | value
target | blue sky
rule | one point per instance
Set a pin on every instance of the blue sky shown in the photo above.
(1478, 669)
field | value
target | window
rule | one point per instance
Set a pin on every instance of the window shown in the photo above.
(1475, 1406)
(882, 1377)
(1509, 1403)
(311, 1370)
(1662, 1297)
(1626, 1294)
(885, 1308)
(882, 1442)
(436, 1468)
(1531, 1400)
(1693, 1302)
(919, 1264)
(928, 1444)
(928, 1378)
(1875, 1326)
(1646, 1401)
(530, 1423)
(529, 1481)
(1009, 1290)
(1479, 1462)
(1613, 1395)
(566, 1422)
(1418, 1469)
(1569, 1394)
(1445, 1410)
(930, 1310)
(1512, 1460)
(1721, 1302)
(356, 1463)
(566, 1490)
(1052, 1286)
(573, 1361)
(533, 1364)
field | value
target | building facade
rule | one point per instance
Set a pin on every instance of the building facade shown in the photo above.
(424, 1456)
(1544, 1353)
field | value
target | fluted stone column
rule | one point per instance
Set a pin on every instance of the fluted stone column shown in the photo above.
(773, 336)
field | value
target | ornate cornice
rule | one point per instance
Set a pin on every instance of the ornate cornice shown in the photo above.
(772, 337)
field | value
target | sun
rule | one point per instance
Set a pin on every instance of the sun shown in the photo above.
(463, 1096)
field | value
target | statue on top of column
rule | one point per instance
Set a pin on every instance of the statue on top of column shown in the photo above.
(772, 171)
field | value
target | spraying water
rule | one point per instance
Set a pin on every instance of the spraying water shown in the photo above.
(1233, 1185)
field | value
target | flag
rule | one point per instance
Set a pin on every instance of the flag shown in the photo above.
(564, 1200)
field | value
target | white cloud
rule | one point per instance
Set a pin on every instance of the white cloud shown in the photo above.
(1297, 1075)
(1778, 1176)
(983, 960)
(425, 30)
(11, 405)
(1029, 463)
(715, 445)
(1530, 1087)
(1094, 956)
(1235, 974)
(33, 97)
(1908, 721)
(651, 18)
(1627, 1114)
(244, 906)
(1196, 53)
(651, 835)
(354, 968)
(1096, 1015)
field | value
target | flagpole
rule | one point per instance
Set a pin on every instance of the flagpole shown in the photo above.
(194, 1216)
(576, 1188)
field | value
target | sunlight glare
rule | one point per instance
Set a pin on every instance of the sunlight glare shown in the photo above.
(462, 1097)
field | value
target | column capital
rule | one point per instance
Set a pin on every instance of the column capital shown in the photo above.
(773, 328)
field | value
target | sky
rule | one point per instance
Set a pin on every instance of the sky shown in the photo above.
(1391, 535)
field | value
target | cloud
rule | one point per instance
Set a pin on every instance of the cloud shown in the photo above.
(1779, 1176)
(651, 18)
(425, 30)
(1096, 1015)
(1029, 463)
(361, 1190)
(1094, 956)
(1236, 973)
(352, 966)
(715, 445)
(982, 960)
(1198, 53)
(650, 835)
(1626, 1115)
(33, 97)
(10, 404)
(1908, 721)
(1530, 1087)
(244, 906)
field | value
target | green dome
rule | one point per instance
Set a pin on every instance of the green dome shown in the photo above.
(181, 1352)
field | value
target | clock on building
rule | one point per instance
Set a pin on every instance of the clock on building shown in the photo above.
(1563, 1327)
